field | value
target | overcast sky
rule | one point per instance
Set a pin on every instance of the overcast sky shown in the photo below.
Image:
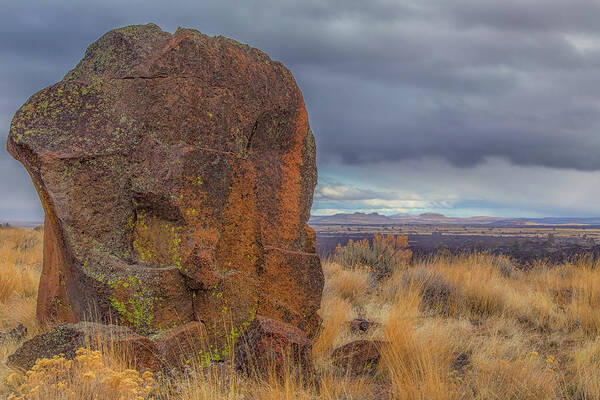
(464, 107)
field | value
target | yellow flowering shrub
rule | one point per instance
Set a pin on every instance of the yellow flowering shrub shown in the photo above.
(86, 376)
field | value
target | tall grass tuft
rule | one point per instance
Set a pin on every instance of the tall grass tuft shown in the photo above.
(418, 367)
(20, 263)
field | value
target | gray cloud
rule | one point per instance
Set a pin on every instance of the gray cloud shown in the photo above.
(331, 190)
(496, 187)
(531, 15)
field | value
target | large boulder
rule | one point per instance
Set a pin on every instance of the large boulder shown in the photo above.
(176, 172)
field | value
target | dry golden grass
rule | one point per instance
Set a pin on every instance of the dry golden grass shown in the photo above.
(351, 284)
(20, 263)
(414, 370)
(20, 267)
(457, 327)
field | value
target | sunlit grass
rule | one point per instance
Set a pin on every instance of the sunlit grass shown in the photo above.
(20, 268)
(456, 327)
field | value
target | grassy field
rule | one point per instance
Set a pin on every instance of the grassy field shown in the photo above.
(457, 327)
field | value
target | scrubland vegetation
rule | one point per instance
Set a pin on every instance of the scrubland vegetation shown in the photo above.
(20, 266)
(457, 327)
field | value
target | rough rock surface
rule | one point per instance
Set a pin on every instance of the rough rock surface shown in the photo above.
(361, 325)
(270, 347)
(67, 338)
(176, 172)
(359, 356)
(185, 345)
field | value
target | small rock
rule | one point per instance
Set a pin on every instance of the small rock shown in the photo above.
(360, 325)
(68, 338)
(461, 363)
(358, 357)
(17, 334)
(273, 347)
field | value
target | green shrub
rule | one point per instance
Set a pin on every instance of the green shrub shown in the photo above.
(381, 256)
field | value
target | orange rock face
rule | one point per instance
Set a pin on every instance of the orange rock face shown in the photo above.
(176, 172)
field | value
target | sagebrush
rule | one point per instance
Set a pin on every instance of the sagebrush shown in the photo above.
(381, 255)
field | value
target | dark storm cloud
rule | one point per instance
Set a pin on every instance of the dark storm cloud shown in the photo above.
(386, 80)
(531, 15)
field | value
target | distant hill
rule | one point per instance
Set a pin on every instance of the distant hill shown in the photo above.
(356, 218)
(359, 218)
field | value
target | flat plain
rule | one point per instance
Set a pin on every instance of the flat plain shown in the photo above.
(524, 243)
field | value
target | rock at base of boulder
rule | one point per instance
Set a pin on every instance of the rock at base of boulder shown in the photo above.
(66, 339)
(359, 357)
(184, 345)
(273, 348)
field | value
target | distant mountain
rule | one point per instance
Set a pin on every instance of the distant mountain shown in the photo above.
(356, 218)
(400, 215)
(359, 218)
(431, 215)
